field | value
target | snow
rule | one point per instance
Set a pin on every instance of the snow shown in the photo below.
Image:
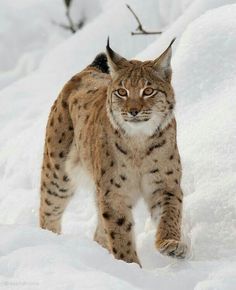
(204, 79)
(24, 43)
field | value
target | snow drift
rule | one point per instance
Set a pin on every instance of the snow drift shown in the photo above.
(204, 66)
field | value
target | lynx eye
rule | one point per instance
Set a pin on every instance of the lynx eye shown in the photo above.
(122, 92)
(148, 91)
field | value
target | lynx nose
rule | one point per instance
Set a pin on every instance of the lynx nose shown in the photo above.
(133, 112)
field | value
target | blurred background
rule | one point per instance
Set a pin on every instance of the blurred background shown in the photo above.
(29, 29)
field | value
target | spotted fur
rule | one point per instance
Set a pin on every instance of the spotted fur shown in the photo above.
(125, 142)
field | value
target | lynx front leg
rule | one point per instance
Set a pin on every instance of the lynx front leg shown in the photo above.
(118, 226)
(169, 229)
(100, 235)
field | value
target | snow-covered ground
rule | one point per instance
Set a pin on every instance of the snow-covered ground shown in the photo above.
(204, 79)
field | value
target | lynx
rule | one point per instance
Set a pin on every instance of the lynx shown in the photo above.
(115, 121)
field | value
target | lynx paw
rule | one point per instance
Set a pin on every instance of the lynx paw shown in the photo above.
(55, 227)
(172, 248)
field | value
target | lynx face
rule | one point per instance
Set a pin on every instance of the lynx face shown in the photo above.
(140, 95)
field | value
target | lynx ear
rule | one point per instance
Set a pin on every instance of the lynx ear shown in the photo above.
(115, 61)
(163, 63)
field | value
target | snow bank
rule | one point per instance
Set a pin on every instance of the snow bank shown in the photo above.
(205, 82)
(194, 9)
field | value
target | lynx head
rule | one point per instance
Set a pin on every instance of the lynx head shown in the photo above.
(140, 95)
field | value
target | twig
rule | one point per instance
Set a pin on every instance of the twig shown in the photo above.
(61, 25)
(71, 23)
(74, 28)
(140, 30)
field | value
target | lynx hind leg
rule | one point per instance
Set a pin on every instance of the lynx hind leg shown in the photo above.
(56, 191)
(57, 188)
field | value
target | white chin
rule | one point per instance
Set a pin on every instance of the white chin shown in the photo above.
(145, 128)
(140, 128)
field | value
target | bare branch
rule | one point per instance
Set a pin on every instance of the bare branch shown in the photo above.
(140, 30)
(71, 23)
(73, 27)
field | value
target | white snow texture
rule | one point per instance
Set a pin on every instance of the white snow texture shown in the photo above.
(36, 58)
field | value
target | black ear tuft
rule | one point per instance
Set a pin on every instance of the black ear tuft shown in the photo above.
(172, 41)
(110, 52)
(100, 62)
(115, 61)
(163, 63)
(108, 43)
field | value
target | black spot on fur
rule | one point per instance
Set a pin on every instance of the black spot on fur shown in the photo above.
(120, 221)
(112, 234)
(65, 178)
(180, 200)
(106, 215)
(63, 190)
(64, 104)
(106, 193)
(55, 194)
(55, 184)
(47, 202)
(154, 170)
(59, 118)
(52, 122)
(55, 176)
(156, 191)
(155, 205)
(168, 193)
(123, 177)
(129, 227)
(156, 146)
(120, 149)
(57, 166)
(122, 256)
(61, 154)
(100, 62)
(75, 102)
(159, 182)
